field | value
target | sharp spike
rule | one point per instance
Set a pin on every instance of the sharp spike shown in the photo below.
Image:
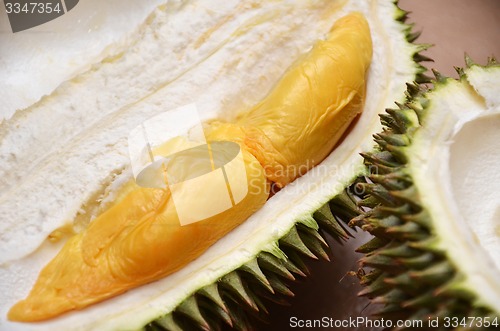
(408, 231)
(438, 77)
(270, 262)
(373, 275)
(424, 300)
(216, 312)
(381, 262)
(435, 275)
(468, 60)
(409, 195)
(395, 139)
(379, 159)
(456, 288)
(293, 240)
(398, 152)
(460, 71)
(418, 57)
(400, 211)
(375, 288)
(372, 245)
(379, 192)
(393, 296)
(329, 223)
(431, 244)
(405, 282)
(168, 322)
(390, 183)
(212, 292)
(275, 250)
(418, 262)
(233, 283)
(423, 47)
(422, 78)
(262, 307)
(411, 37)
(239, 318)
(277, 299)
(296, 264)
(414, 89)
(280, 286)
(421, 218)
(344, 205)
(369, 201)
(253, 269)
(189, 308)
(314, 235)
(399, 250)
(316, 247)
(308, 222)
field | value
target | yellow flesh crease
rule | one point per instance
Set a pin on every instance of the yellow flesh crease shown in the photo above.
(139, 239)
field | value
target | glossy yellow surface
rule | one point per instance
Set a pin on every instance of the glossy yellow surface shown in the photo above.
(299, 123)
(139, 238)
(134, 242)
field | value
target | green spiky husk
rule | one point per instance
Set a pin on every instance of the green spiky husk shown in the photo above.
(240, 296)
(411, 276)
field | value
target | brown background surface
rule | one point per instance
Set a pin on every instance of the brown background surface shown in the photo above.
(455, 27)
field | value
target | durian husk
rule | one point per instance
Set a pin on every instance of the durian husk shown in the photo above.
(410, 275)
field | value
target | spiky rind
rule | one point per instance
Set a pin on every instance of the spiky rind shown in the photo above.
(266, 275)
(238, 294)
(410, 272)
(411, 37)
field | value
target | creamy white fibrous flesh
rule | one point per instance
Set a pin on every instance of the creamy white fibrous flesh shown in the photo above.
(455, 159)
(35, 61)
(59, 154)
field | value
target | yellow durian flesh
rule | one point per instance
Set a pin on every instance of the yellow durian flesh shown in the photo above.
(139, 239)
(134, 242)
(297, 125)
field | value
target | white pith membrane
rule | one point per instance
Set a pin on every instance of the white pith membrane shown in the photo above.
(63, 48)
(454, 161)
(225, 60)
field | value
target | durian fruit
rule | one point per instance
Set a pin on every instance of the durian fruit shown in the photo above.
(78, 165)
(119, 249)
(433, 206)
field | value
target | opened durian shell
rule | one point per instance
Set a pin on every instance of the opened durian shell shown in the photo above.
(431, 206)
(256, 256)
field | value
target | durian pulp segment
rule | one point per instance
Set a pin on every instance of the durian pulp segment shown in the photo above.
(121, 248)
(263, 51)
(456, 168)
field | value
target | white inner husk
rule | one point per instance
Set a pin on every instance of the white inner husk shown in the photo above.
(454, 158)
(54, 160)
